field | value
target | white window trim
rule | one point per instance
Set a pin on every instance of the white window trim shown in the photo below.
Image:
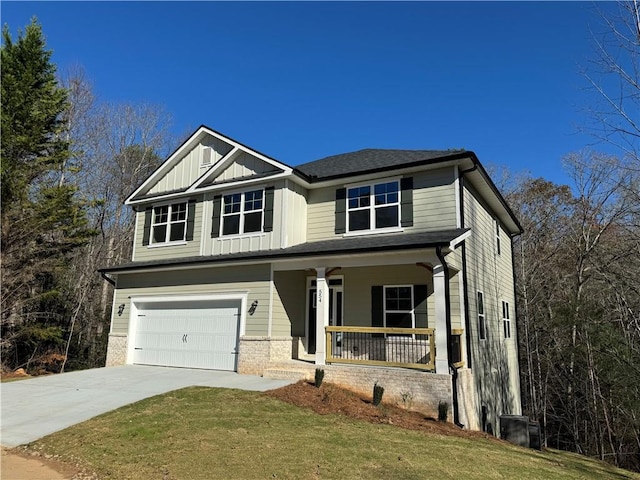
(497, 233)
(372, 208)
(506, 320)
(384, 302)
(482, 316)
(168, 223)
(242, 213)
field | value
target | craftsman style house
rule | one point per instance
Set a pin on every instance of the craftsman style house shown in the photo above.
(387, 266)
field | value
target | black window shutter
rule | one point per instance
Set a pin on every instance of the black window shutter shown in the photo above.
(420, 293)
(268, 209)
(341, 210)
(147, 225)
(191, 217)
(377, 307)
(215, 220)
(406, 202)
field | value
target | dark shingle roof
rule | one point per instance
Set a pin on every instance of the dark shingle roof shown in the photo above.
(370, 160)
(349, 245)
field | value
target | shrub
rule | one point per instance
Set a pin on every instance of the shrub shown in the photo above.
(319, 377)
(443, 411)
(378, 391)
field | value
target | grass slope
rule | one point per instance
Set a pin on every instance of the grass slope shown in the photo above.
(206, 433)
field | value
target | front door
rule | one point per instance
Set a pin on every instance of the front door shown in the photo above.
(335, 311)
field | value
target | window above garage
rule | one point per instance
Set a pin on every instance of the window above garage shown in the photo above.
(243, 213)
(169, 223)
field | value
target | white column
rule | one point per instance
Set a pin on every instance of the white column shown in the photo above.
(322, 314)
(439, 279)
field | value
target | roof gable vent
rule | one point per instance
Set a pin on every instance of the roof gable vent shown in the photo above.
(207, 157)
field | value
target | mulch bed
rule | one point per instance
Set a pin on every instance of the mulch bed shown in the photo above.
(331, 399)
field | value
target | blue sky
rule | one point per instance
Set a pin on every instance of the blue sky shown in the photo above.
(302, 80)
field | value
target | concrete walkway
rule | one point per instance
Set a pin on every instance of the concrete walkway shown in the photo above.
(39, 406)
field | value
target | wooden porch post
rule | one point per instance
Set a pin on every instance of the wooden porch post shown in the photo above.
(322, 314)
(439, 279)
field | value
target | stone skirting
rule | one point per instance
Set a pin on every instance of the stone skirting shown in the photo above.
(116, 350)
(255, 353)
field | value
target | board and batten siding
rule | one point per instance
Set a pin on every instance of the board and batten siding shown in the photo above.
(251, 242)
(253, 279)
(244, 165)
(188, 169)
(142, 253)
(434, 205)
(294, 215)
(495, 359)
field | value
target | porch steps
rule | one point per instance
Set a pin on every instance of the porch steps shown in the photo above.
(289, 371)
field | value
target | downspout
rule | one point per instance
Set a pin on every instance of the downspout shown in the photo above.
(108, 279)
(465, 288)
(447, 317)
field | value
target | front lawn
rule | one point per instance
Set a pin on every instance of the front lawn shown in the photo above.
(208, 433)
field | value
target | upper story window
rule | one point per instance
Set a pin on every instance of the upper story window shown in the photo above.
(169, 223)
(373, 207)
(242, 212)
(497, 237)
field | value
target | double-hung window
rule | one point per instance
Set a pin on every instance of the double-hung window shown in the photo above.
(506, 321)
(373, 207)
(398, 307)
(482, 325)
(242, 212)
(169, 223)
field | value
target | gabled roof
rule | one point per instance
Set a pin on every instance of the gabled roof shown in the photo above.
(371, 160)
(340, 246)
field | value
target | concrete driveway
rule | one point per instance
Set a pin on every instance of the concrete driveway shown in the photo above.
(39, 406)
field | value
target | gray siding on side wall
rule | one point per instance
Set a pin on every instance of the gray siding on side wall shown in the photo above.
(495, 361)
(251, 279)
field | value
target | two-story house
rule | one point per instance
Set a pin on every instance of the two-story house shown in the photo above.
(387, 266)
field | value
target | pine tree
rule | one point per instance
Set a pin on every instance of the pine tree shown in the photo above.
(43, 221)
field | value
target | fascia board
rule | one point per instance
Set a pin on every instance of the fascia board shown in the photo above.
(218, 168)
(167, 164)
(190, 143)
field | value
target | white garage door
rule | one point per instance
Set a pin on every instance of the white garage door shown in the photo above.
(188, 334)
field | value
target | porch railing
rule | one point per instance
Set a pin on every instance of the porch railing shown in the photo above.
(389, 347)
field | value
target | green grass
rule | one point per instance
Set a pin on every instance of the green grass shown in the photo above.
(206, 433)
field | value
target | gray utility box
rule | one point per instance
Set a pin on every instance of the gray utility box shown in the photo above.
(515, 429)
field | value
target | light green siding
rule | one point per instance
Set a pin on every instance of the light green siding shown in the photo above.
(191, 248)
(434, 205)
(434, 200)
(289, 304)
(251, 279)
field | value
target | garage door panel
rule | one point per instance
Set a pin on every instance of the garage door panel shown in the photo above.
(195, 335)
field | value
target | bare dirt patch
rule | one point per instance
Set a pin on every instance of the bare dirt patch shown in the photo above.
(18, 465)
(331, 399)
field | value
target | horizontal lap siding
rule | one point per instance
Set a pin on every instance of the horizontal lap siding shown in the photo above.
(321, 214)
(288, 304)
(434, 200)
(251, 279)
(492, 274)
(143, 253)
(434, 205)
(358, 283)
